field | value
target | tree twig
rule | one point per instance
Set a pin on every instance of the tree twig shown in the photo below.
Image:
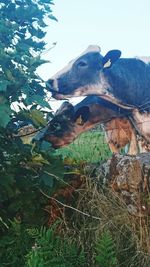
(70, 207)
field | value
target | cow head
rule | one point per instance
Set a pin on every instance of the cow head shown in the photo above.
(83, 75)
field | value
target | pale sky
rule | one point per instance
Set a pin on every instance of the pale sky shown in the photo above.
(111, 24)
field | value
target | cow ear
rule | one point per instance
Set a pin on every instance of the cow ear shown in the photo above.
(82, 115)
(110, 58)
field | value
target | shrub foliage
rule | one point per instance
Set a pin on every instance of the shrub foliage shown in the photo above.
(23, 168)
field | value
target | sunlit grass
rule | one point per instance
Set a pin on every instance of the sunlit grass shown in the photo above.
(90, 146)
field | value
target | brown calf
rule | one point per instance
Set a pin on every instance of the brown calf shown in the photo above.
(69, 122)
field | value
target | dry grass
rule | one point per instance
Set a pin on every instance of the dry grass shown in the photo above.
(97, 211)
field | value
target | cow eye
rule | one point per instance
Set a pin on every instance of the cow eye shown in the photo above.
(82, 63)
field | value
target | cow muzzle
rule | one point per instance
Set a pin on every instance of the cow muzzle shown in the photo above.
(52, 85)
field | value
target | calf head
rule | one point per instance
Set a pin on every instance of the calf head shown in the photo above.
(83, 75)
(66, 125)
(70, 121)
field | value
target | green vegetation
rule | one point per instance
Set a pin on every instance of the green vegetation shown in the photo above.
(51, 250)
(106, 252)
(90, 146)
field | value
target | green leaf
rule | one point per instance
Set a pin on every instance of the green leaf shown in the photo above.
(52, 17)
(3, 85)
(39, 100)
(37, 118)
(47, 179)
(45, 146)
(55, 170)
(5, 112)
(37, 61)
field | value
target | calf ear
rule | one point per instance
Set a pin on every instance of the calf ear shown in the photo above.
(110, 58)
(82, 115)
(66, 109)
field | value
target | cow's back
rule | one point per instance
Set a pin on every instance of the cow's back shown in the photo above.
(129, 81)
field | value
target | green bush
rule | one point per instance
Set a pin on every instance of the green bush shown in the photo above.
(15, 243)
(37, 247)
(23, 168)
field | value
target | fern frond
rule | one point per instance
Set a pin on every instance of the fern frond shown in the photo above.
(106, 255)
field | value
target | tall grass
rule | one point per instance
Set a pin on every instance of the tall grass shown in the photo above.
(98, 212)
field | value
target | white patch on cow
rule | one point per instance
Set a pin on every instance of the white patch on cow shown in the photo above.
(145, 59)
(55, 84)
(142, 123)
(107, 64)
(91, 48)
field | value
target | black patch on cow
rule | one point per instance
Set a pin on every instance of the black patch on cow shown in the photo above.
(129, 81)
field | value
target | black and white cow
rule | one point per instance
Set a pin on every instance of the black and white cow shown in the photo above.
(123, 81)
